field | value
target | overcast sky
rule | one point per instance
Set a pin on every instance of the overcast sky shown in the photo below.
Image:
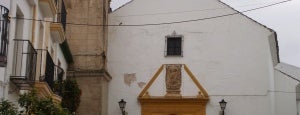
(283, 18)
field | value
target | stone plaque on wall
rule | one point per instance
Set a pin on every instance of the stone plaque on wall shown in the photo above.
(173, 80)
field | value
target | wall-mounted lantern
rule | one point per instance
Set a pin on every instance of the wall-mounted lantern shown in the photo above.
(223, 106)
(122, 105)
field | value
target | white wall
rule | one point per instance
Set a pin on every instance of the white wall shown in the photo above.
(26, 7)
(285, 89)
(5, 3)
(230, 56)
(2, 81)
(285, 94)
(11, 92)
(60, 56)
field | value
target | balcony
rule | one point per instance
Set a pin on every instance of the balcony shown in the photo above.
(62, 13)
(49, 73)
(58, 28)
(48, 7)
(60, 74)
(4, 31)
(24, 64)
(57, 32)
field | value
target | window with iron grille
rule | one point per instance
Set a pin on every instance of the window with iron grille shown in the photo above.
(4, 27)
(174, 45)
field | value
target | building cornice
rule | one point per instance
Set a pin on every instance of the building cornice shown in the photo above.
(89, 73)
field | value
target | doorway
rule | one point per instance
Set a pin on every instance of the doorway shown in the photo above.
(173, 106)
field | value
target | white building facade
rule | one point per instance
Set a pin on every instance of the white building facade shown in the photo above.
(287, 78)
(230, 55)
(35, 48)
(5, 6)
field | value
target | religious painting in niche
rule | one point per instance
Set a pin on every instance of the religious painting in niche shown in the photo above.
(173, 80)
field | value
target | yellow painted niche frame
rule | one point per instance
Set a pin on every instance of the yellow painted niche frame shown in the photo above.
(202, 92)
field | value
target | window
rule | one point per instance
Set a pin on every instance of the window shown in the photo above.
(174, 45)
(4, 27)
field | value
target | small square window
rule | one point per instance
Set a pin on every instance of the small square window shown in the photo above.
(173, 45)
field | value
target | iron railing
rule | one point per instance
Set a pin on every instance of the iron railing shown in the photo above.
(60, 74)
(4, 30)
(49, 71)
(52, 73)
(24, 64)
(62, 15)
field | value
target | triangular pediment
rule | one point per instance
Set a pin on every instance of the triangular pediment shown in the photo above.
(172, 93)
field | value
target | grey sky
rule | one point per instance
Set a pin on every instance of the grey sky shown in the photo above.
(283, 18)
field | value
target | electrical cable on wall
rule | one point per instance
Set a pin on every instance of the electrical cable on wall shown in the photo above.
(165, 23)
(187, 11)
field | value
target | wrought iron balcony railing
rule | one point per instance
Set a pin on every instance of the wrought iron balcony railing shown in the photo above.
(58, 84)
(49, 72)
(62, 13)
(4, 30)
(60, 73)
(24, 64)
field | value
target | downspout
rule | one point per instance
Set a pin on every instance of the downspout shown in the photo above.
(104, 34)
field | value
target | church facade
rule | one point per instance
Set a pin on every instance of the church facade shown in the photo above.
(163, 57)
(175, 57)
